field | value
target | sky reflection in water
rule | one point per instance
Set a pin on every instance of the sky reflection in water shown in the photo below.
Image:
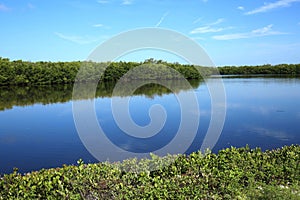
(37, 128)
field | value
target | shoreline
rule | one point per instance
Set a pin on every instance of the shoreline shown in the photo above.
(231, 173)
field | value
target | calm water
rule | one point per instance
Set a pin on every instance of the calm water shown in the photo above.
(37, 129)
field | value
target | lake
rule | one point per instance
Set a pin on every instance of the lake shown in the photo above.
(37, 128)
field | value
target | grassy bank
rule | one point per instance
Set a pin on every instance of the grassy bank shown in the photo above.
(235, 173)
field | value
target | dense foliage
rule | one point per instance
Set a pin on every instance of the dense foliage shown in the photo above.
(234, 173)
(20, 72)
(48, 73)
(288, 69)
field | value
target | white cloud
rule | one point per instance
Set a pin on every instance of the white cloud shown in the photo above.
(206, 29)
(240, 8)
(265, 31)
(197, 20)
(3, 7)
(101, 26)
(123, 2)
(98, 25)
(127, 2)
(209, 28)
(270, 6)
(77, 39)
(161, 19)
(103, 1)
(217, 22)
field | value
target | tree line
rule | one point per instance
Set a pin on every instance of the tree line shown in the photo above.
(20, 72)
(288, 69)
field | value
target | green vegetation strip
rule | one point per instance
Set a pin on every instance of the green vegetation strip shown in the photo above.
(233, 173)
(20, 72)
(50, 73)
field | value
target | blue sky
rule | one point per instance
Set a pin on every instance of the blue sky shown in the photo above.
(233, 32)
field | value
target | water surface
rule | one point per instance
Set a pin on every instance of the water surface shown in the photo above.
(37, 128)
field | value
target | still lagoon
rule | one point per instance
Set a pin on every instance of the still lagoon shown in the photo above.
(37, 128)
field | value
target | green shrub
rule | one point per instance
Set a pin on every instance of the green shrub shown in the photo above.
(233, 173)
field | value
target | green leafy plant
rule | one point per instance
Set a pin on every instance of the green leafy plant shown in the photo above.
(233, 173)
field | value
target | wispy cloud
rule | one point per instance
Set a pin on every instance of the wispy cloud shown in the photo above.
(77, 39)
(270, 6)
(127, 2)
(209, 28)
(103, 1)
(218, 21)
(197, 20)
(98, 25)
(162, 19)
(3, 7)
(265, 31)
(101, 26)
(31, 6)
(240, 8)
